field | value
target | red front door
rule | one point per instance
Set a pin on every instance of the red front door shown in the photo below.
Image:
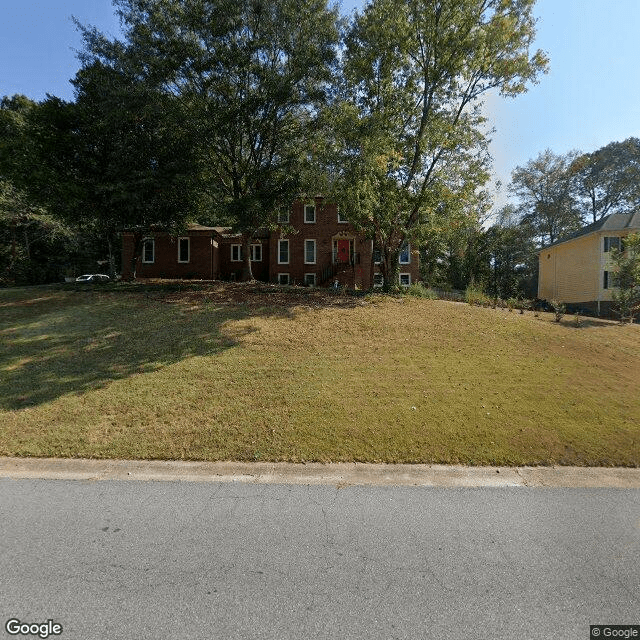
(343, 251)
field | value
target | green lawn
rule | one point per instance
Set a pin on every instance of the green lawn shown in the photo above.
(230, 373)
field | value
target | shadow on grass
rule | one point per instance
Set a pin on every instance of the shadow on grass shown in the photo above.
(55, 341)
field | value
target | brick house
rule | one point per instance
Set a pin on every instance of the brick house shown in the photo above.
(324, 249)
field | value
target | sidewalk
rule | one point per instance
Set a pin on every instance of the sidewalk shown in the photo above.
(338, 474)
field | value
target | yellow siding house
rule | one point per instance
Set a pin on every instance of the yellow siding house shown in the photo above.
(577, 269)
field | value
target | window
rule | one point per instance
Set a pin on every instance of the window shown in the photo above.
(310, 279)
(341, 218)
(405, 279)
(236, 253)
(309, 251)
(611, 243)
(283, 252)
(283, 217)
(405, 254)
(283, 278)
(377, 256)
(148, 250)
(256, 253)
(309, 213)
(605, 283)
(378, 280)
(183, 249)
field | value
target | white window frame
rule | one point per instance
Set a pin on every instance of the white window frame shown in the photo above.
(153, 250)
(402, 250)
(280, 275)
(304, 213)
(380, 280)
(341, 220)
(315, 254)
(404, 284)
(188, 249)
(256, 249)
(310, 276)
(379, 252)
(283, 217)
(237, 249)
(280, 244)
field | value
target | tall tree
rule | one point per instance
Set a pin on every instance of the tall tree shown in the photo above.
(410, 132)
(252, 74)
(545, 189)
(607, 180)
(117, 158)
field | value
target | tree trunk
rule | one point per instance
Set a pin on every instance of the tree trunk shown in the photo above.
(390, 269)
(247, 274)
(137, 246)
(112, 266)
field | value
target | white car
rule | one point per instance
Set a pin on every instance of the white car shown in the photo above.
(93, 277)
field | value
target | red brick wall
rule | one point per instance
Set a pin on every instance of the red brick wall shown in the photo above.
(230, 270)
(325, 229)
(202, 262)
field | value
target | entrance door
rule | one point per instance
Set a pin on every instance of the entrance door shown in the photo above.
(343, 251)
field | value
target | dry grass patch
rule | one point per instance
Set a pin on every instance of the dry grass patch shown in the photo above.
(206, 376)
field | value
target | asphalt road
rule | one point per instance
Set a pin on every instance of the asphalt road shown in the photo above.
(230, 560)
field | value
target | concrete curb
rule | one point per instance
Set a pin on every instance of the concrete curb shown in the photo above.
(338, 474)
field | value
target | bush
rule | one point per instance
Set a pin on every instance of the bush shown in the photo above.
(418, 290)
(475, 295)
(558, 309)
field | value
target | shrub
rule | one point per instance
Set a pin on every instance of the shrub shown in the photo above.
(418, 290)
(558, 309)
(475, 295)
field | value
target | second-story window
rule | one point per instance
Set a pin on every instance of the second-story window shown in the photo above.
(283, 217)
(341, 217)
(309, 213)
(405, 254)
(611, 243)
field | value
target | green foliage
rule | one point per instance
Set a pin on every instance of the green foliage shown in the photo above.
(409, 151)
(251, 75)
(475, 296)
(606, 181)
(418, 290)
(544, 187)
(626, 277)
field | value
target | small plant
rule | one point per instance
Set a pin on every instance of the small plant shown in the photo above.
(558, 309)
(512, 303)
(577, 319)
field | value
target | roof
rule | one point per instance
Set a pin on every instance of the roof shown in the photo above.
(612, 222)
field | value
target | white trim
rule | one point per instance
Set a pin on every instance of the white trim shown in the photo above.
(341, 220)
(239, 252)
(402, 249)
(380, 277)
(288, 278)
(279, 252)
(379, 252)
(404, 284)
(188, 249)
(153, 250)
(312, 275)
(283, 217)
(315, 254)
(253, 252)
(304, 213)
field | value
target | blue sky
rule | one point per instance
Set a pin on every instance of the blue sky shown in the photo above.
(590, 97)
